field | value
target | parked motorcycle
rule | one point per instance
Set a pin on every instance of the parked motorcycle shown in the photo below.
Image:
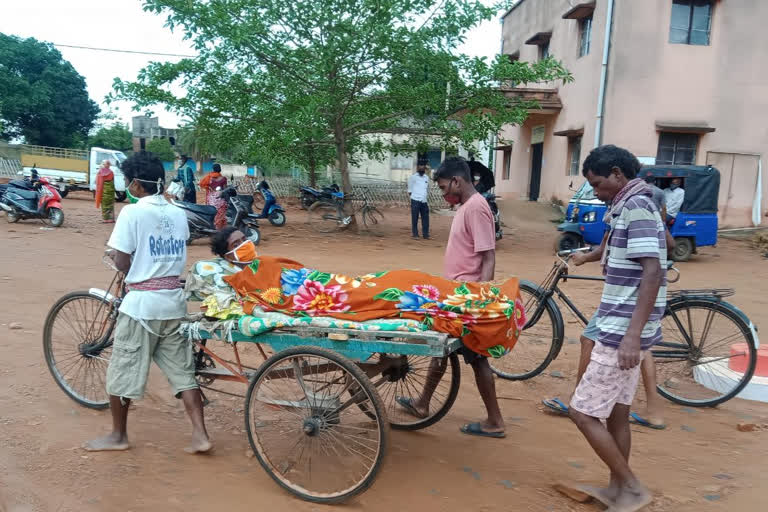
(484, 182)
(201, 217)
(35, 198)
(271, 211)
(310, 196)
(491, 199)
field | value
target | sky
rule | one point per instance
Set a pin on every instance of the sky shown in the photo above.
(123, 25)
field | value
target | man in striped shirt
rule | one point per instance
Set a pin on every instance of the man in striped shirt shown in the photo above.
(628, 320)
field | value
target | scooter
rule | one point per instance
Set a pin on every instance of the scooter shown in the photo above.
(310, 196)
(32, 199)
(271, 211)
(201, 217)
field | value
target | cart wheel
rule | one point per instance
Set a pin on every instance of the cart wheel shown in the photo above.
(306, 430)
(406, 379)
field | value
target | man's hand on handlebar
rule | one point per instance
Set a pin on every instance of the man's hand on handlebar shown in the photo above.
(579, 258)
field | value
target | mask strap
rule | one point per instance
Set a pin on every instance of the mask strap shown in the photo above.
(158, 184)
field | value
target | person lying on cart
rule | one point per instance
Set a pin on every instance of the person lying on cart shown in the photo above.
(149, 243)
(469, 256)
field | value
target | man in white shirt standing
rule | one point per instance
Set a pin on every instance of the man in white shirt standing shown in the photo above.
(418, 188)
(149, 243)
(674, 196)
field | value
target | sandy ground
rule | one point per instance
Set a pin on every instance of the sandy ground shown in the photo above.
(701, 462)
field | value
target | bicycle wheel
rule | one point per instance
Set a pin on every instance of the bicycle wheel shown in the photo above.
(406, 378)
(306, 430)
(77, 343)
(707, 355)
(539, 343)
(372, 216)
(324, 217)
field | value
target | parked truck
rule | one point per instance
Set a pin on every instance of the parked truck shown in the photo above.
(73, 169)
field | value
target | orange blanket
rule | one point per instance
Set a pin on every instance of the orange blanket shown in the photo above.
(487, 316)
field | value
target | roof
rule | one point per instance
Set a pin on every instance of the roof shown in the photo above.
(520, 2)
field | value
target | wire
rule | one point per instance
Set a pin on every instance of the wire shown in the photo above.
(123, 51)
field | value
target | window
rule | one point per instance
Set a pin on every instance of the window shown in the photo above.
(506, 162)
(585, 35)
(574, 155)
(544, 50)
(677, 148)
(690, 22)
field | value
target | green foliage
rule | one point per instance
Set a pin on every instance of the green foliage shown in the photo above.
(316, 81)
(161, 148)
(115, 136)
(42, 98)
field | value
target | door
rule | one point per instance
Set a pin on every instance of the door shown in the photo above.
(738, 180)
(537, 150)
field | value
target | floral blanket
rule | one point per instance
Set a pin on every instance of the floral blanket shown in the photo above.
(487, 316)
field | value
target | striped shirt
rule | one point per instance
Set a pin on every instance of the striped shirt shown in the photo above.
(636, 232)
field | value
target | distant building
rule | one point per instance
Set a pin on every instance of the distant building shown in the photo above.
(148, 128)
(684, 84)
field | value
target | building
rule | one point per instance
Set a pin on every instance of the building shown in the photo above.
(147, 128)
(682, 82)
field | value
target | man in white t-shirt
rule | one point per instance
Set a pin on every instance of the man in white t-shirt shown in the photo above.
(418, 188)
(149, 244)
(674, 196)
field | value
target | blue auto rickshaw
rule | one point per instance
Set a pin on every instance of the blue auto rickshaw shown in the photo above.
(695, 224)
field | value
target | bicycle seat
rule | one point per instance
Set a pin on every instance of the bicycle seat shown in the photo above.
(200, 209)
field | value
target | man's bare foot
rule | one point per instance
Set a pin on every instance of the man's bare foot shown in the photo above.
(199, 445)
(605, 495)
(413, 407)
(631, 499)
(109, 443)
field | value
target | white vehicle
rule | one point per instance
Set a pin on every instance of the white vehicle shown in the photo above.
(73, 169)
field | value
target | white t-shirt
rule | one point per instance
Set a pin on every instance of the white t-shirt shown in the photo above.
(418, 186)
(674, 200)
(154, 233)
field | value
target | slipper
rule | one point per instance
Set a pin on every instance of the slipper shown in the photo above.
(475, 429)
(554, 404)
(407, 404)
(639, 420)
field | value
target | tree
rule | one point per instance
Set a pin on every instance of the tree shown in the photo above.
(42, 98)
(115, 136)
(320, 77)
(162, 149)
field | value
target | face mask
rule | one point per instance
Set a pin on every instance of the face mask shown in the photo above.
(131, 198)
(421, 172)
(245, 252)
(451, 198)
(158, 183)
(673, 186)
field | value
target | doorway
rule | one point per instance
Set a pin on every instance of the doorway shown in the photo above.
(537, 150)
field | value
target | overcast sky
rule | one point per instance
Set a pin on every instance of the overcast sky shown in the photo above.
(123, 25)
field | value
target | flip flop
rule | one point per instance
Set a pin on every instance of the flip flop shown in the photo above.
(555, 405)
(475, 429)
(639, 420)
(407, 404)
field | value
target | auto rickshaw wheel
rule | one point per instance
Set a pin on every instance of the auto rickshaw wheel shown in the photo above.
(569, 242)
(683, 249)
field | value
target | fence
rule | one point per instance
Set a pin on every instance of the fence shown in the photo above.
(9, 167)
(388, 193)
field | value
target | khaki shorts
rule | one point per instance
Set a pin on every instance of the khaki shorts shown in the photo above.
(135, 347)
(604, 384)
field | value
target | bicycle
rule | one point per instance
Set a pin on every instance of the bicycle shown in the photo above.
(692, 370)
(328, 215)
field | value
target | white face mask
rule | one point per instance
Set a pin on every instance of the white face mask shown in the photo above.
(159, 184)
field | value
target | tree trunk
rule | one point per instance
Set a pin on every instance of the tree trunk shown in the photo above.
(343, 162)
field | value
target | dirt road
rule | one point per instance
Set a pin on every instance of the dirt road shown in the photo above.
(701, 462)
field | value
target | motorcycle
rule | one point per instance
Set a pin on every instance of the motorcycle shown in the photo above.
(35, 198)
(201, 217)
(491, 200)
(310, 196)
(484, 182)
(271, 211)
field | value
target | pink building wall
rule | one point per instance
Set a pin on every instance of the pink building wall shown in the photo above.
(723, 85)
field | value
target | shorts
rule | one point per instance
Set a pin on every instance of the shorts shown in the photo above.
(469, 355)
(604, 384)
(135, 347)
(591, 332)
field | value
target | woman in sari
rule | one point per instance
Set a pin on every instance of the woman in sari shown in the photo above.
(210, 183)
(105, 192)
